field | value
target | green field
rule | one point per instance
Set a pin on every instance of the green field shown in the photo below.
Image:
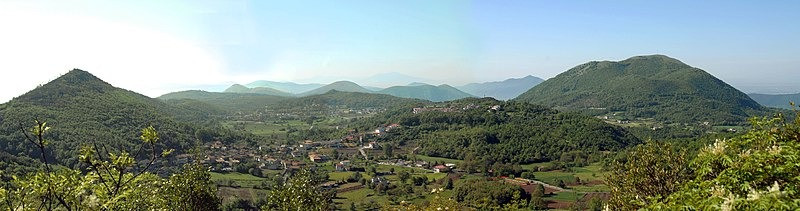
(242, 180)
(267, 128)
(586, 173)
(565, 196)
(437, 159)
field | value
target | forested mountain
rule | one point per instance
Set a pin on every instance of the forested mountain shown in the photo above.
(344, 86)
(776, 100)
(426, 92)
(82, 109)
(289, 87)
(502, 90)
(234, 102)
(654, 86)
(336, 98)
(496, 131)
(238, 88)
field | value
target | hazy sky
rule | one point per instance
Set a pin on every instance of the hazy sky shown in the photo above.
(154, 47)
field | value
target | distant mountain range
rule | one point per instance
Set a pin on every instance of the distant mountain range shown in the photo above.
(654, 86)
(237, 88)
(391, 79)
(428, 92)
(502, 90)
(776, 100)
(344, 86)
(414, 90)
(289, 87)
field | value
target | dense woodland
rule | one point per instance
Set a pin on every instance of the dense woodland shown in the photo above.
(655, 86)
(513, 133)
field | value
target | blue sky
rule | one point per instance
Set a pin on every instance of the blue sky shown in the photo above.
(752, 45)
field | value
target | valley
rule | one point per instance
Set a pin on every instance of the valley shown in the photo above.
(369, 150)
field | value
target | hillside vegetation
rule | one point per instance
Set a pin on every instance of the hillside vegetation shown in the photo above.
(237, 88)
(655, 86)
(83, 109)
(512, 132)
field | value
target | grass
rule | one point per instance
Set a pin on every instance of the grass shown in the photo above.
(594, 188)
(337, 176)
(565, 196)
(437, 159)
(590, 172)
(268, 128)
(533, 166)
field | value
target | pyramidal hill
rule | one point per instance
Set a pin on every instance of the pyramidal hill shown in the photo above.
(654, 86)
(82, 109)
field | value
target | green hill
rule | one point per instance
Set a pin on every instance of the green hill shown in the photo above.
(776, 100)
(344, 86)
(289, 87)
(232, 102)
(237, 88)
(336, 98)
(508, 132)
(426, 92)
(654, 86)
(502, 90)
(82, 109)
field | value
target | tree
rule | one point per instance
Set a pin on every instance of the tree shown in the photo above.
(448, 184)
(300, 192)
(388, 151)
(561, 184)
(755, 171)
(652, 172)
(193, 189)
(403, 176)
(110, 183)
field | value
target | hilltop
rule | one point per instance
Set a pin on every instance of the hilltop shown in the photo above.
(502, 90)
(653, 86)
(238, 88)
(426, 92)
(344, 86)
(289, 87)
(82, 109)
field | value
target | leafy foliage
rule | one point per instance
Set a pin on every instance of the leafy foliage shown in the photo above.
(108, 184)
(486, 194)
(756, 171)
(651, 172)
(300, 192)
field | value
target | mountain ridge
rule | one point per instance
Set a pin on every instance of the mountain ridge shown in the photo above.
(654, 86)
(502, 90)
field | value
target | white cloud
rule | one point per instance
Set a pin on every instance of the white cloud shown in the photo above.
(37, 46)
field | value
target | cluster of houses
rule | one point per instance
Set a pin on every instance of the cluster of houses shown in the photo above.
(225, 157)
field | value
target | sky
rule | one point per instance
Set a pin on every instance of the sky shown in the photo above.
(156, 47)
